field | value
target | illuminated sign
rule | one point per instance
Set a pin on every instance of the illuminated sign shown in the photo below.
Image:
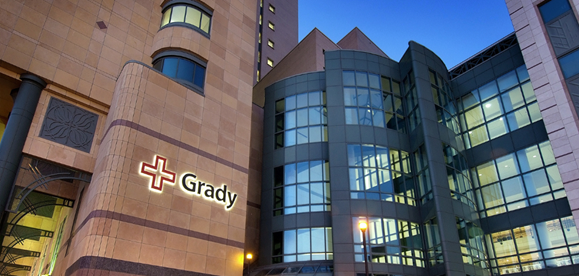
(160, 175)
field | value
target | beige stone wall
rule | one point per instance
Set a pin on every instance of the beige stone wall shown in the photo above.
(554, 102)
(119, 217)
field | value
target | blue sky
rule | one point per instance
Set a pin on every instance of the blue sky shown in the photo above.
(453, 29)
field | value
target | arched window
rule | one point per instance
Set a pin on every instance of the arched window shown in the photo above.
(187, 14)
(185, 68)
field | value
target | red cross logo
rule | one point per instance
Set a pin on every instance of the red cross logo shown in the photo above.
(166, 175)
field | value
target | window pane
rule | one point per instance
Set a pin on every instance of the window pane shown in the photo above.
(487, 173)
(529, 159)
(178, 14)
(290, 103)
(289, 195)
(518, 119)
(314, 98)
(503, 243)
(376, 98)
(170, 66)
(497, 128)
(361, 79)
(536, 183)
(534, 112)
(289, 242)
(303, 170)
(369, 157)
(525, 238)
(166, 17)
(302, 135)
(351, 116)
(301, 100)
(470, 100)
(363, 96)
(205, 22)
(528, 92)
(290, 174)
(512, 99)
(513, 189)
(550, 234)
(317, 193)
(474, 117)
(507, 166)
(186, 70)
(554, 178)
(303, 195)
(193, 16)
(364, 116)
(304, 241)
(318, 244)
(386, 84)
(478, 136)
(507, 81)
(492, 109)
(290, 119)
(553, 8)
(356, 179)
(199, 76)
(488, 91)
(348, 78)
(315, 134)
(378, 118)
(350, 96)
(547, 153)
(290, 137)
(302, 117)
(354, 155)
(523, 73)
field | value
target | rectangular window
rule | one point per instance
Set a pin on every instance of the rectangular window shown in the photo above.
(271, 8)
(270, 43)
(270, 62)
(271, 26)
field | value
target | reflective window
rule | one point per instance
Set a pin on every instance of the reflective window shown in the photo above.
(553, 9)
(458, 176)
(380, 173)
(569, 63)
(271, 26)
(471, 242)
(445, 108)
(372, 100)
(270, 43)
(270, 62)
(301, 188)
(497, 108)
(548, 244)
(302, 244)
(183, 69)
(301, 119)
(271, 8)
(411, 98)
(524, 178)
(188, 14)
(389, 241)
(423, 175)
(433, 242)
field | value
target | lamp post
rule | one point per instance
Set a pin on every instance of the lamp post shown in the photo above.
(249, 256)
(363, 226)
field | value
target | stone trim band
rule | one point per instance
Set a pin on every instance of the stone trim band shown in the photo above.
(175, 142)
(88, 265)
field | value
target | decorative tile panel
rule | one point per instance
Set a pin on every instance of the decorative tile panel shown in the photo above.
(69, 125)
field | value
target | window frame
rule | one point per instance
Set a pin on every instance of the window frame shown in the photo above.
(203, 9)
(271, 25)
(187, 56)
(271, 8)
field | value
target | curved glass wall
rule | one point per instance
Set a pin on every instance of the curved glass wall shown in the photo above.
(411, 100)
(527, 177)
(302, 244)
(390, 241)
(547, 244)
(373, 100)
(301, 187)
(471, 243)
(380, 173)
(445, 109)
(301, 119)
(496, 108)
(457, 173)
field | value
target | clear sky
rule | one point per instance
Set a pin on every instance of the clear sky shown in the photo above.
(453, 29)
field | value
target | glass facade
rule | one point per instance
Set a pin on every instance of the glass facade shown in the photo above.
(379, 173)
(301, 119)
(517, 180)
(303, 244)
(389, 241)
(373, 100)
(302, 187)
(471, 243)
(548, 244)
(457, 173)
(499, 107)
(442, 96)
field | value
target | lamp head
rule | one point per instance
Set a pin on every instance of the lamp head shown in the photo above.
(362, 225)
(249, 256)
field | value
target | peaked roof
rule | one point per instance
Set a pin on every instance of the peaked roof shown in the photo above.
(357, 40)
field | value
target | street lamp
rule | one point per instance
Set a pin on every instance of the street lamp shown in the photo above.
(363, 226)
(249, 256)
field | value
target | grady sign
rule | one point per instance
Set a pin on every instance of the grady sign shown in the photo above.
(189, 183)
